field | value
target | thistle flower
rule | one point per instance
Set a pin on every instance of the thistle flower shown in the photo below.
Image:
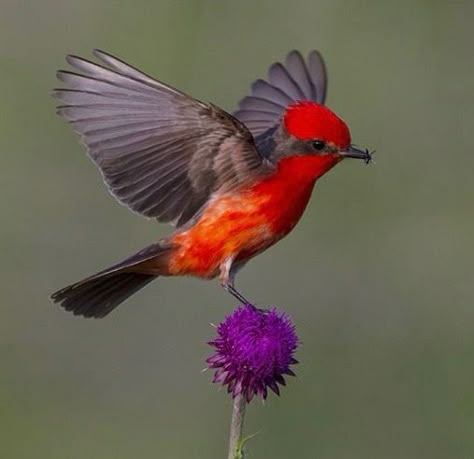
(253, 351)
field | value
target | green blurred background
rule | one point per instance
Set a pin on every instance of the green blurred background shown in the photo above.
(377, 276)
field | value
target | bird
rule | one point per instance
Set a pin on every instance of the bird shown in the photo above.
(231, 184)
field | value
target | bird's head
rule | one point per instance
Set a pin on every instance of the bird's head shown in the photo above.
(313, 129)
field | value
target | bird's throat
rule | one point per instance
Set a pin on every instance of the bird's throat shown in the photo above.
(306, 168)
(289, 188)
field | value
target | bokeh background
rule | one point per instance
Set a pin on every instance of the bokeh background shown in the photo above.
(378, 276)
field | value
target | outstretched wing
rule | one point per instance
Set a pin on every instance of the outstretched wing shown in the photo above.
(161, 152)
(286, 84)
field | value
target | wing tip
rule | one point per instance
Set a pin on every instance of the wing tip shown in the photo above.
(315, 52)
(103, 56)
(315, 56)
(295, 52)
(97, 52)
(60, 74)
(78, 62)
(71, 57)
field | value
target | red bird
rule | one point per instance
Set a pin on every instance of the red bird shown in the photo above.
(232, 184)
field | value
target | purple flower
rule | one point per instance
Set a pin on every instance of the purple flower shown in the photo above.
(253, 350)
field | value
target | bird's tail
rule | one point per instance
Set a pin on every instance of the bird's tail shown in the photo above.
(97, 295)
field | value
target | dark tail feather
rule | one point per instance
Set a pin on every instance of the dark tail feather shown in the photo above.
(100, 295)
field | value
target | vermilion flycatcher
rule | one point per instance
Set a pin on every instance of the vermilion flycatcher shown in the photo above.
(232, 184)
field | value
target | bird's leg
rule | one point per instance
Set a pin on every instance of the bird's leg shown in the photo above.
(227, 277)
(236, 294)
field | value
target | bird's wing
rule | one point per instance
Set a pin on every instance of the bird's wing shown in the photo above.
(161, 152)
(286, 84)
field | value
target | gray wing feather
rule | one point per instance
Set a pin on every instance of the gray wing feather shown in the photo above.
(161, 152)
(287, 83)
(317, 70)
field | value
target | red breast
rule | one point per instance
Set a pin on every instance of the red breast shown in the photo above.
(242, 224)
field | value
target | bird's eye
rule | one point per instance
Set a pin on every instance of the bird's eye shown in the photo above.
(318, 145)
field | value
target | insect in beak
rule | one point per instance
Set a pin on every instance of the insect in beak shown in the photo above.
(354, 152)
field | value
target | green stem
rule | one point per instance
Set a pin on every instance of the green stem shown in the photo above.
(236, 428)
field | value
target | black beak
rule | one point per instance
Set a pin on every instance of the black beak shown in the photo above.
(354, 152)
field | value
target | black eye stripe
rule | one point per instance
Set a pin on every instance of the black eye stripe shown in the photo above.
(318, 145)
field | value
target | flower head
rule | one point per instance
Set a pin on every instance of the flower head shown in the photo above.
(253, 350)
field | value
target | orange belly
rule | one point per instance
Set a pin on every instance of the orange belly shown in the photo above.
(240, 224)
